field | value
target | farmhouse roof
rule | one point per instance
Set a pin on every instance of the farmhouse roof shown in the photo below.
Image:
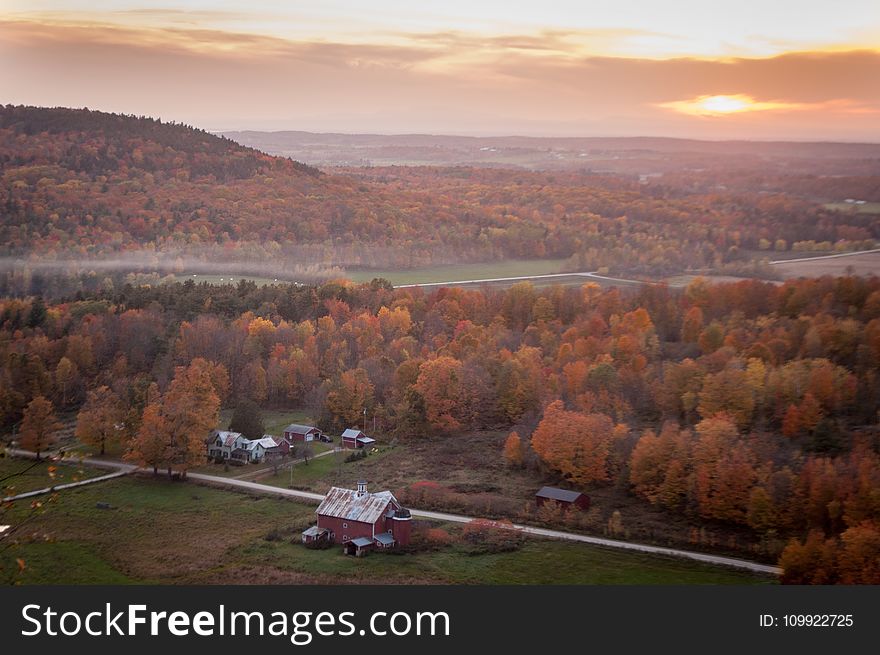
(299, 429)
(265, 442)
(553, 493)
(228, 437)
(345, 504)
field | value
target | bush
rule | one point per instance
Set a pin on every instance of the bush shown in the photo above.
(355, 456)
(275, 534)
(484, 537)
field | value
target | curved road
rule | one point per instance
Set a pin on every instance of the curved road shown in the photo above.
(523, 278)
(256, 487)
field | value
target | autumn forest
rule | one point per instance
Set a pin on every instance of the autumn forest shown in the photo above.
(751, 404)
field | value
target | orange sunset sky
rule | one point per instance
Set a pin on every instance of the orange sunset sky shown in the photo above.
(762, 69)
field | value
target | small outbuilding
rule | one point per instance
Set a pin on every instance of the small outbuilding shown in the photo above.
(562, 497)
(302, 433)
(354, 438)
(358, 547)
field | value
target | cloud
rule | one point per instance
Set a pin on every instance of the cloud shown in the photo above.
(433, 82)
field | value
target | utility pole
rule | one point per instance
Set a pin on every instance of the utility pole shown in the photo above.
(365, 420)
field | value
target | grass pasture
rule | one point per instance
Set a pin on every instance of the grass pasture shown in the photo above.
(867, 208)
(455, 272)
(864, 263)
(22, 475)
(180, 533)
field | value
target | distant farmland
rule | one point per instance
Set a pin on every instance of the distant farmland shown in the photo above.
(862, 263)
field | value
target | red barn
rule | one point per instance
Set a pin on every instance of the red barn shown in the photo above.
(295, 432)
(562, 497)
(360, 520)
(354, 438)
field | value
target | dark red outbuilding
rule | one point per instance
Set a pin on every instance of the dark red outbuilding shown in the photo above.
(562, 497)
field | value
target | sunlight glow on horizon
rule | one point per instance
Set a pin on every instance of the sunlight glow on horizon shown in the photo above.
(720, 105)
(790, 68)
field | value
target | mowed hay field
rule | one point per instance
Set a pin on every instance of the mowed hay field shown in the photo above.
(867, 263)
(179, 533)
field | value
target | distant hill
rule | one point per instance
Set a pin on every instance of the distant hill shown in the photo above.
(85, 191)
(632, 155)
(84, 184)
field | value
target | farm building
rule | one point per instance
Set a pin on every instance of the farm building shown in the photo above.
(282, 444)
(296, 432)
(234, 448)
(562, 497)
(258, 449)
(221, 444)
(360, 520)
(354, 438)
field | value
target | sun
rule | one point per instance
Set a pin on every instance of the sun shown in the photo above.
(724, 105)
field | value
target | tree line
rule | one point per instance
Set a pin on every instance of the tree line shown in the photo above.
(745, 403)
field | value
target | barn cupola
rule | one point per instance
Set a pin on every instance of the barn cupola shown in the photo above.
(362, 488)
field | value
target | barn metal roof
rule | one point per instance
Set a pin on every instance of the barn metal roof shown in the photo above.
(360, 542)
(300, 429)
(315, 531)
(553, 493)
(265, 442)
(345, 504)
(385, 538)
(351, 433)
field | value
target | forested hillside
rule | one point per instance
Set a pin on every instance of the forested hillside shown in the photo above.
(749, 404)
(82, 185)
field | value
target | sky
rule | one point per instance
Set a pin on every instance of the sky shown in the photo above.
(732, 69)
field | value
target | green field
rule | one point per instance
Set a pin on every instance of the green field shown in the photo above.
(456, 272)
(21, 475)
(274, 420)
(176, 533)
(448, 273)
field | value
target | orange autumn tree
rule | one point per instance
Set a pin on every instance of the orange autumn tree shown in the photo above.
(349, 396)
(39, 425)
(440, 384)
(574, 444)
(147, 448)
(659, 465)
(101, 419)
(180, 420)
(513, 450)
(724, 470)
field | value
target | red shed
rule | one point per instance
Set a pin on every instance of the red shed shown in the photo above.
(562, 497)
(303, 433)
(346, 514)
(354, 438)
